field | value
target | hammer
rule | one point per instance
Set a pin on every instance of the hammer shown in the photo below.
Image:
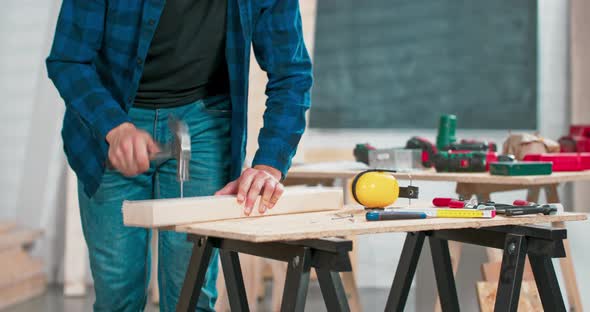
(179, 149)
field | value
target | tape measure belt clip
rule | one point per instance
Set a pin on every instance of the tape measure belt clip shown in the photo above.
(375, 188)
(408, 191)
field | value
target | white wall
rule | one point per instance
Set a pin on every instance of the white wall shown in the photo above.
(21, 32)
(30, 111)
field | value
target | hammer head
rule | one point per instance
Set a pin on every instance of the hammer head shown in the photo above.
(180, 147)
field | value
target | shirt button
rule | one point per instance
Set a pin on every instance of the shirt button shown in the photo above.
(151, 22)
(139, 61)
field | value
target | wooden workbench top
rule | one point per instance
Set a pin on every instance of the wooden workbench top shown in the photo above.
(349, 221)
(348, 170)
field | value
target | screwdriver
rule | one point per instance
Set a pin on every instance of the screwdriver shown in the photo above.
(394, 215)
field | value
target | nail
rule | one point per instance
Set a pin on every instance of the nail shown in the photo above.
(240, 198)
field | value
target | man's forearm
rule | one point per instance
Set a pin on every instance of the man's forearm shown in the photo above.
(280, 50)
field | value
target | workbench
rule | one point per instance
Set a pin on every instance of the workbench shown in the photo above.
(305, 241)
(481, 185)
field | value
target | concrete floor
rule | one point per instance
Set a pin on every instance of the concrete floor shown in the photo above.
(372, 299)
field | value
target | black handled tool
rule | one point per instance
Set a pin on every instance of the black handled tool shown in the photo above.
(380, 215)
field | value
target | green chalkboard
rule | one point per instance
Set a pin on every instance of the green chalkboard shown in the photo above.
(403, 63)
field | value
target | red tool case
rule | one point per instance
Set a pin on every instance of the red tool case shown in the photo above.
(563, 161)
(578, 139)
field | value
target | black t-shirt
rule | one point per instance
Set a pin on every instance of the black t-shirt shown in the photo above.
(186, 60)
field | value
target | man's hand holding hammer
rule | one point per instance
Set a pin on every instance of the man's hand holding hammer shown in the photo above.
(130, 150)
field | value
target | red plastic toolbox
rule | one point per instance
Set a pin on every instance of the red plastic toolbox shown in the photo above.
(577, 140)
(580, 130)
(563, 161)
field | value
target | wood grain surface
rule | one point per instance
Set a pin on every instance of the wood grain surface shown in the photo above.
(170, 212)
(349, 221)
(18, 237)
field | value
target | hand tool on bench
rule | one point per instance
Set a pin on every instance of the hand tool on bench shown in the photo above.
(179, 149)
(450, 212)
(393, 215)
(522, 202)
(448, 202)
(513, 210)
(444, 202)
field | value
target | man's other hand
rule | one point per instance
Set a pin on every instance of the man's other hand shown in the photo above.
(130, 149)
(259, 180)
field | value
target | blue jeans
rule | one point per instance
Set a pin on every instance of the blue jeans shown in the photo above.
(120, 255)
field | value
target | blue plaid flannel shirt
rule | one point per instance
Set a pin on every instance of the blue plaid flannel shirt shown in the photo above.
(97, 59)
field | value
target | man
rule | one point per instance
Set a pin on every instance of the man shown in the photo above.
(122, 67)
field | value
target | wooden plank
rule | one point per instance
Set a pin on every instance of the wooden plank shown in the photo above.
(301, 172)
(22, 291)
(167, 212)
(20, 237)
(314, 155)
(327, 224)
(6, 226)
(529, 300)
(16, 266)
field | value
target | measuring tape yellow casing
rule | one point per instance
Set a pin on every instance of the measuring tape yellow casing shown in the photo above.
(377, 188)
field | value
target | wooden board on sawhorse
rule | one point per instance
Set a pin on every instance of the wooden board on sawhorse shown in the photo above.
(483, 193)
(481, 181)
(254, 266)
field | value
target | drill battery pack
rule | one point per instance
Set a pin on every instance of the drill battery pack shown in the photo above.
(461, 161)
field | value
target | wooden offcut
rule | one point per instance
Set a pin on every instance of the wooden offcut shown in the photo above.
(21, 276)
(18, 237)
(529, 300)
(16, 266)
(170, 212)
(6, 226)
(22, 291)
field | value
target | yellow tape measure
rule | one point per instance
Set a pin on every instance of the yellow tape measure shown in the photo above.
(459, 213)
(451, 212)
